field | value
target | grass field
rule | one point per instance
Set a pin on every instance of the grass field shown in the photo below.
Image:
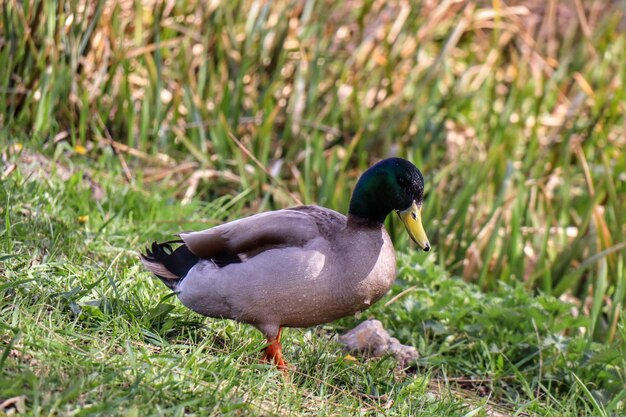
(125, 122)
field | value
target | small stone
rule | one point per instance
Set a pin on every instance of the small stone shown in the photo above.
(372, 339)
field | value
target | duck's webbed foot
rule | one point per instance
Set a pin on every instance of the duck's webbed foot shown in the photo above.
(274, 352)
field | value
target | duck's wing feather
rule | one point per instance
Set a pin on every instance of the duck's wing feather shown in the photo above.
(253, 234)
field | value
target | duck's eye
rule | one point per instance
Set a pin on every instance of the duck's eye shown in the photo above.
(402, 181)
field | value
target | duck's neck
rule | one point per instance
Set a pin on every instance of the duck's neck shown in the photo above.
(369, 200)
(358, 222)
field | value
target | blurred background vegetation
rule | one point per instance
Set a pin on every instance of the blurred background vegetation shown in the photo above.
(514, 111)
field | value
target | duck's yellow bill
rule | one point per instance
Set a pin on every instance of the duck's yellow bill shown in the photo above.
(412, 219)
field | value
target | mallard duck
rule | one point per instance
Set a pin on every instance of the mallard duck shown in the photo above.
(296, 267)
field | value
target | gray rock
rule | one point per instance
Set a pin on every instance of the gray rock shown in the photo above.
(372, 339)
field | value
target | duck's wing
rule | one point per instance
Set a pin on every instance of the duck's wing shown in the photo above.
(254, 234)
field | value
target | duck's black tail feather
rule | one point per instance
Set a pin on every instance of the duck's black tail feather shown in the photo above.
(169, 265)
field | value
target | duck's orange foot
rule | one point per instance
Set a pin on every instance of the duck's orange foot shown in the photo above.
(274, 352)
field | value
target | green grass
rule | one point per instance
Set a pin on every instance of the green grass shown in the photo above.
(87, 331)
(190, 114)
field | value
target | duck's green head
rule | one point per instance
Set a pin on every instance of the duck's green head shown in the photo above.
(392, 184)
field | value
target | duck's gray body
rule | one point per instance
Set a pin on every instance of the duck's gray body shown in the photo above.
(296, 267)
